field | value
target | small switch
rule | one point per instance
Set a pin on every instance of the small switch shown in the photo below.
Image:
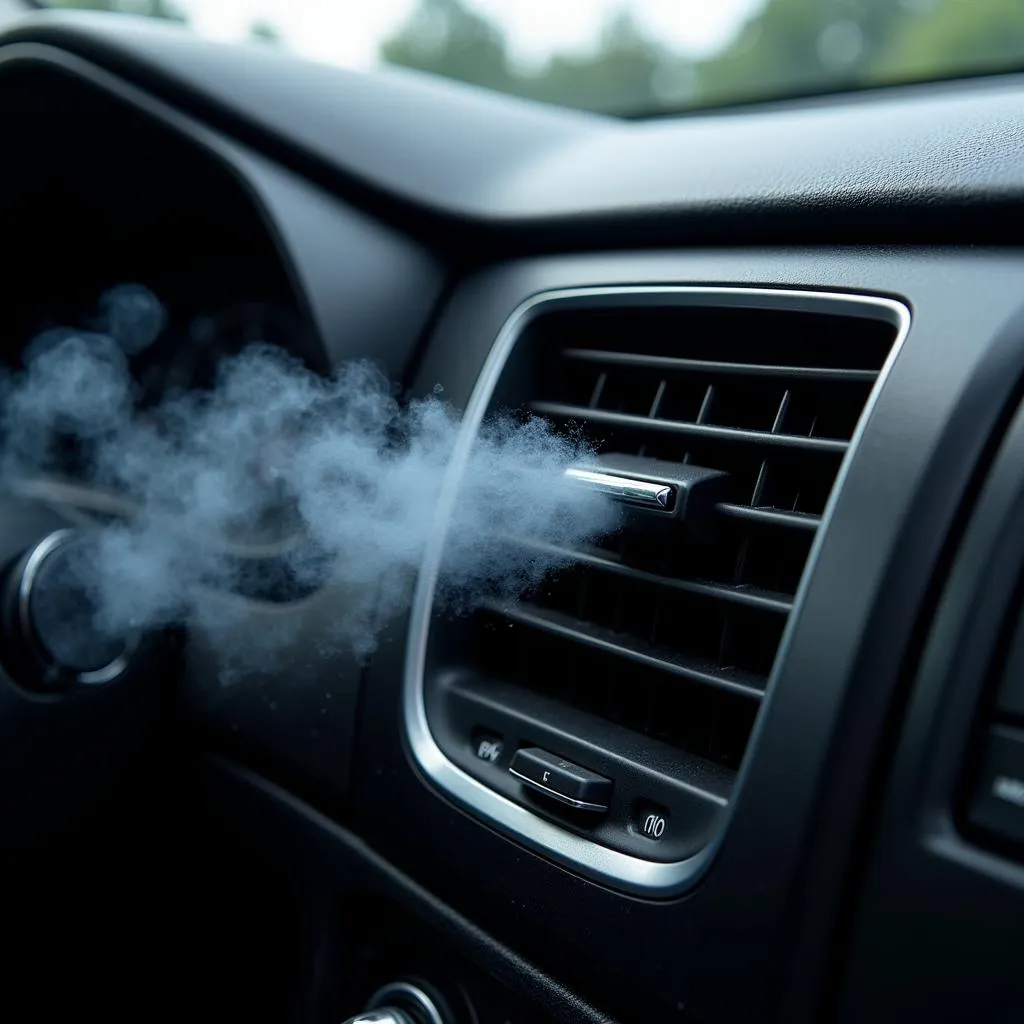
(561, 780)
(650, 820)
(998, 803)
(488, 747)
(1011, 690)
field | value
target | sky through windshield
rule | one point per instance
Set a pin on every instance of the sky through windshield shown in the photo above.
(629, 56)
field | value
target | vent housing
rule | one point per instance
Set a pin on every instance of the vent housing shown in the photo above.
(647, 658)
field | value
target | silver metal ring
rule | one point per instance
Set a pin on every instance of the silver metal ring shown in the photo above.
(29, 573)
(404, 992)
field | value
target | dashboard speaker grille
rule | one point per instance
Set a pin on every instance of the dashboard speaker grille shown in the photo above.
(652, 650)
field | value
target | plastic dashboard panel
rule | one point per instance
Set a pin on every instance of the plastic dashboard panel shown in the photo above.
(819, 735)
(932, 880)
(346, 170)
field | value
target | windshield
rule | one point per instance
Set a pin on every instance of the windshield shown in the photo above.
(629, 57)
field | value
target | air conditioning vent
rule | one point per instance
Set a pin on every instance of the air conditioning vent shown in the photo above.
(646, 660)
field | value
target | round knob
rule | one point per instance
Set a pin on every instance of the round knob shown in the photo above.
(54, 618)
(381, 1017)
(401, 1003)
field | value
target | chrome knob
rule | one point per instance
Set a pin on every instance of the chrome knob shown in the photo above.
(50, 615)
(401, 1003)
(381, 1017)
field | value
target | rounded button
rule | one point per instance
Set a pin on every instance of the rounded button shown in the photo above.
(650, 820)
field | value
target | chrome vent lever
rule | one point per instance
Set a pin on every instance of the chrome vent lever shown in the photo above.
(674, 493)
(658, 497)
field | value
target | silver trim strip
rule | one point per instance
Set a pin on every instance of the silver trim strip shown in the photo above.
(579, 805)
(618, 870)
(658, 497)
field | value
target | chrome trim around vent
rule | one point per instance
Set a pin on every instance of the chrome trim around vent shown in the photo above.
(618, 870)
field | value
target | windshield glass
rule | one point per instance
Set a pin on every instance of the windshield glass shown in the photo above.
(629, 57)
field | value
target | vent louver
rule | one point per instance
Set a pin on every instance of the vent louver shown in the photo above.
(646, 660)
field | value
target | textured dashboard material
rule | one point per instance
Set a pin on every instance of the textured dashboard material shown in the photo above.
(877, 164)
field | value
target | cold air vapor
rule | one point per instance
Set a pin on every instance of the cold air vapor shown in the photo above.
(277, 481)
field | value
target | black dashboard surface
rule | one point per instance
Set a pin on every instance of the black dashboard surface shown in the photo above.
(405, 220)
(891, 163)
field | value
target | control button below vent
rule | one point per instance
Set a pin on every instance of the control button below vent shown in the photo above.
(561, 780)
(488, 747)
(998, 804)
(650, 821)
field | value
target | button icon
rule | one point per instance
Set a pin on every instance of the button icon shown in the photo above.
(489, 748)
(650, 820)
(1008, 789)
(997, 805)
(654, 826)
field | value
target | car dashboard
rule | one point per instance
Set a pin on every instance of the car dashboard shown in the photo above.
(759, 759)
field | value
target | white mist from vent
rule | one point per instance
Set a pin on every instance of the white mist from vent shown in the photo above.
(278, 481)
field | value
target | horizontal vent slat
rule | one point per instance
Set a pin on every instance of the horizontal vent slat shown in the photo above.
(748, 597)
(668, 630)
(672, 364)
(771, 516)
(742, 683)
(697, 430)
